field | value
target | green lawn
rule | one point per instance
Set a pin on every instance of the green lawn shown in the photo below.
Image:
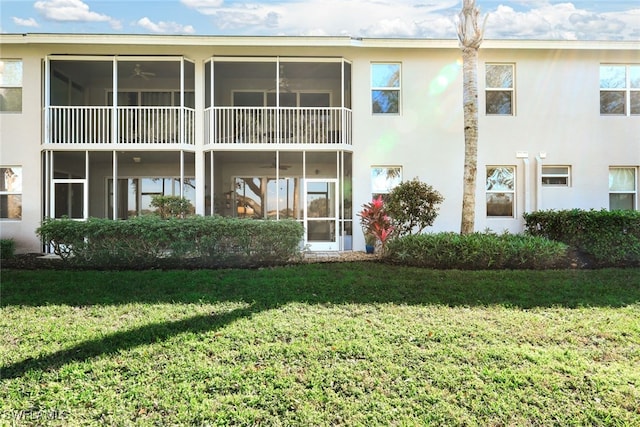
(320, 344)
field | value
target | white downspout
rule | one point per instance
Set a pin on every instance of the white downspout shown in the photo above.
(527, 179)
(539, 158)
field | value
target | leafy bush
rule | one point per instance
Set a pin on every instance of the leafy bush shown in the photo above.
(477, 251)
(413, 206)
(150, 241)
(606, 238)
(172, 206)
(376, 224)
(7, 248)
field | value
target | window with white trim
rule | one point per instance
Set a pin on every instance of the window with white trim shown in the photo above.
(10, 192)
(10, 85)
(384, 179)
(499, 89)
(619, 89)
(623, 188)
(385, 88)
(501, 191)
(556, 176)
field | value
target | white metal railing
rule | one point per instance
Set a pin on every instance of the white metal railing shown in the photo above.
(134, 125)
(267, 125)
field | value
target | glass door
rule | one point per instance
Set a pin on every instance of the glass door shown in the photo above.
(320, 214)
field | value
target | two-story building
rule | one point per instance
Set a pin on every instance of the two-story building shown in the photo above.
(309, 128)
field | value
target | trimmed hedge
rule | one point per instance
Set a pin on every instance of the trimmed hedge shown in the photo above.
(605, 238)
(7, 248)
(477, 251)
(149, 241)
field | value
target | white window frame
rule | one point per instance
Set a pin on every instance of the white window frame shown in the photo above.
(552, 175)
(385, 184)
(6, 85)
(630, 87)
(15, 192)
(397, 88)
(511, 90)
(633, 192)
(502, 191)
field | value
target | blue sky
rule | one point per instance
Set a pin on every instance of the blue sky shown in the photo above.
(517, 19)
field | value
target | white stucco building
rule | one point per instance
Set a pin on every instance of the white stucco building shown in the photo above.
(309, 128)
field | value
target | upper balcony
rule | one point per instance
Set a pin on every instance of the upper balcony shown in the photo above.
(154, 102)
(262, 101)
(253, 101)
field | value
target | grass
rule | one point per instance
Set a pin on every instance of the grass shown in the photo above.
(320, 344)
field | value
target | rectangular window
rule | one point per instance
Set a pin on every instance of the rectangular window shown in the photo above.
(385, 88)
(10, 85)
(10, 192)
(499, 86)
(384, 179)
(555, 176)
(622, 189)
(619, 90)
(500, 189)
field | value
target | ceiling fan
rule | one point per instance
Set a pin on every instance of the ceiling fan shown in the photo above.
(139, 72)
(282, 167)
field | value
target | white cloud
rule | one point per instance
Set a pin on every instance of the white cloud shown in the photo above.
(163, 27)
(560, 21)
(202, 4)
(29, 22)
(72, 11)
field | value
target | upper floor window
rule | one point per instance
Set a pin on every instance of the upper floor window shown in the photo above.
(619, 89)
(10, 192)
(555, 176)
(501, 191)
(10, 85)
(499, 86)
(623, 188)
(385, 88)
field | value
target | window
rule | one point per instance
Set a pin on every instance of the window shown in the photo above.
(384, 179)
(555, 176)
(619, 89)
(10, 192)
(385, 88)
(499, 85)
(500, 187)
(135, 194)
(10, 85)
(622, 189)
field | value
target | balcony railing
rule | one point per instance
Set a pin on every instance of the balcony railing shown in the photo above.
(133, 125)
(277, 125)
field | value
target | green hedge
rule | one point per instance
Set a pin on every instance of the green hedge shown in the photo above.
(149, 241)
(605, 238)
(477, 251)
(7, 248)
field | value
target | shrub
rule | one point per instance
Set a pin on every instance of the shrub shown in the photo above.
(149, 241)
(172, 206)
(606, 238)
(413, 206)
(477, 251)
(376, 224)
(7, 248)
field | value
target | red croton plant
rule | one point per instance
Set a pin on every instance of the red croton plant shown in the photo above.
(375, 221)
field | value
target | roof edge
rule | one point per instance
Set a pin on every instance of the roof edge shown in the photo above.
(308, 41)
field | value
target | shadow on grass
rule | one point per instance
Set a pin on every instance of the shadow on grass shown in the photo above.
(341, 283)
(111, 344)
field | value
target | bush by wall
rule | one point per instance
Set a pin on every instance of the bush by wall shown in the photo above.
(477, 251)
(605, 238)
(149, 241)
(7, 248)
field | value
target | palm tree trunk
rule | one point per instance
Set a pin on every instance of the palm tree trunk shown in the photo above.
(470, 109)
(470, 35)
